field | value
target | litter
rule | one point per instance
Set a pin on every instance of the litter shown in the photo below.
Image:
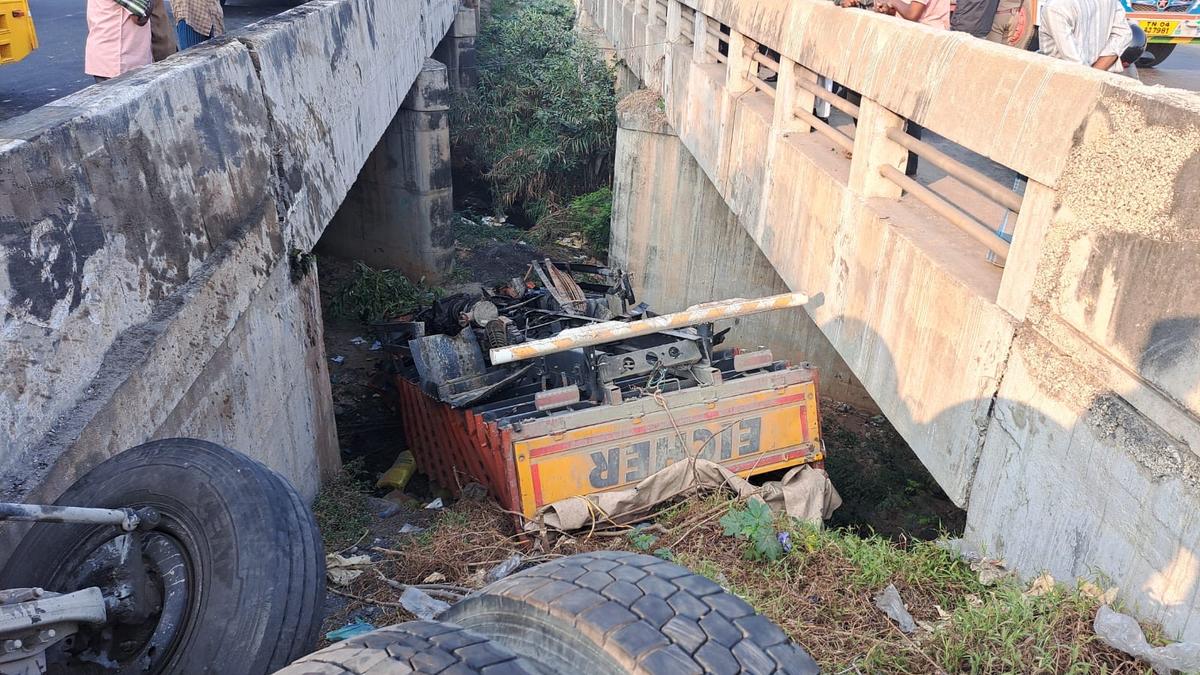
(435, 504)
(398, 475)
(505, 568)
(358, 340)
(409, 528)
(342, 570)
(435, 578)
(785, 540)
(339, 359)
(384, 508)
(353, 629)
(421, 605)
(889, 601)
(375, 346)
(1042, 585)
(1121, 631)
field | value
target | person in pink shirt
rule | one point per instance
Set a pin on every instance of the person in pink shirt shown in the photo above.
(116, 43)
(932, 13)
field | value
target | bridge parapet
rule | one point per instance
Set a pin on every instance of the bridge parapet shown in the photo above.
(1057, 398)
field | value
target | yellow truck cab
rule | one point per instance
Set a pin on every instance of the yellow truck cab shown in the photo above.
(17, 35)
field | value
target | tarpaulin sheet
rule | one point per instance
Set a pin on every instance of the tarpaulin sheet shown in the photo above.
(804, 492)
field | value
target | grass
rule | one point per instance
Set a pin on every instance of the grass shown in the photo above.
(821, 592)
(380, 294)
(343, 509)
(470, 232)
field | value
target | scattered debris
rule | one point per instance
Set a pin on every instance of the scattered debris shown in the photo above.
(785, 540)
(436, 504)
(434, 578)
(384, 508)
(1123, 632)
(338, 359)
(1091, 590)
(354, 629)
(342, 570)
(1043, 584)
(574, 240)
(421, 604)
(409, 528)
(990, 571)
(889, 601)
(358, 340)
(375, 346)
(400, 473)
(505, 568)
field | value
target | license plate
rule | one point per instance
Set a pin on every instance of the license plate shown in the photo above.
(1158, 27)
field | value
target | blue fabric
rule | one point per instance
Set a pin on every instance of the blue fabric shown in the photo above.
(187, 36)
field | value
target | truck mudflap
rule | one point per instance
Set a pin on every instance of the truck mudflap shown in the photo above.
(751, 423)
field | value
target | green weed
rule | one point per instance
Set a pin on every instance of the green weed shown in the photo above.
(377, 295)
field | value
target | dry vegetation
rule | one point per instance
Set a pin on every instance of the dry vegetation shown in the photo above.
(821, 592)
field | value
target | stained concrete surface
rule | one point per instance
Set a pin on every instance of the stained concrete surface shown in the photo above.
(56, 68)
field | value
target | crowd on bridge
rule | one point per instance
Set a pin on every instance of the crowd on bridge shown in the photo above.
(126, 34)
(1093, 33)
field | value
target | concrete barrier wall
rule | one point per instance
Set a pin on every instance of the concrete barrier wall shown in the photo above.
(1056, 399)
(146, 227)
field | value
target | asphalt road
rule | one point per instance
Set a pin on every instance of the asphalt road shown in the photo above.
(56, 68)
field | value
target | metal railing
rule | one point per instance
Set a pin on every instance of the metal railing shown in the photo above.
(957, 217)
(720, 38)
(687, 22)
(840, 138)
(756, 78)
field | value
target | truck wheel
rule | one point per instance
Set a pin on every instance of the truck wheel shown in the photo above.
(615, 612)
(234, 571)
(413, 647)
(1156, 53)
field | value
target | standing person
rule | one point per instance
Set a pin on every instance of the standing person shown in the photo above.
(932, 13)
(198, 20)
(1090, 32)
(162, 33)
(116, 42)
(974, 17)
(1012, 26)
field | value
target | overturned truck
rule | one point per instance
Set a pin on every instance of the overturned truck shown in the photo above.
(583, 390)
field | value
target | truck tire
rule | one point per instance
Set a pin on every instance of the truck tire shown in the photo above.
(616, 612)
(235, 566)
(420, 647)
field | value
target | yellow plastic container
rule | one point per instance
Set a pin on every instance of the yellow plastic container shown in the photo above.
(17, 35)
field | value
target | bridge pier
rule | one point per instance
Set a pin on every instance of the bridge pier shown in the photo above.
(398, 213)
(457, 49)
(661, 199)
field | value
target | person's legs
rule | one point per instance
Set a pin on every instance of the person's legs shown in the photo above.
(162, 38)
(912, 129)
(187, 36)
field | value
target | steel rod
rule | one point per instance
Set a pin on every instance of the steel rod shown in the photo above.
(829, 97)
(828, 131)
(715, 54)
(613, 331)
(988, 187)
(978, 231)
(68, 514)
(761, 85)
(770, 63)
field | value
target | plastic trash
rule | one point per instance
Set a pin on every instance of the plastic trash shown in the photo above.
(505, 568)
(421, 605)
(358, 340)
(398, 475)
(339, 359)
(353, 629)
(785, 540)
(409, 528)
(891, 604)
(436, 504)
(375, 346)
(1121, 631)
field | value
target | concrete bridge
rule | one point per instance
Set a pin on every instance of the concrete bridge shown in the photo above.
(153, 282)
(1055, 398)
(151, 232)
